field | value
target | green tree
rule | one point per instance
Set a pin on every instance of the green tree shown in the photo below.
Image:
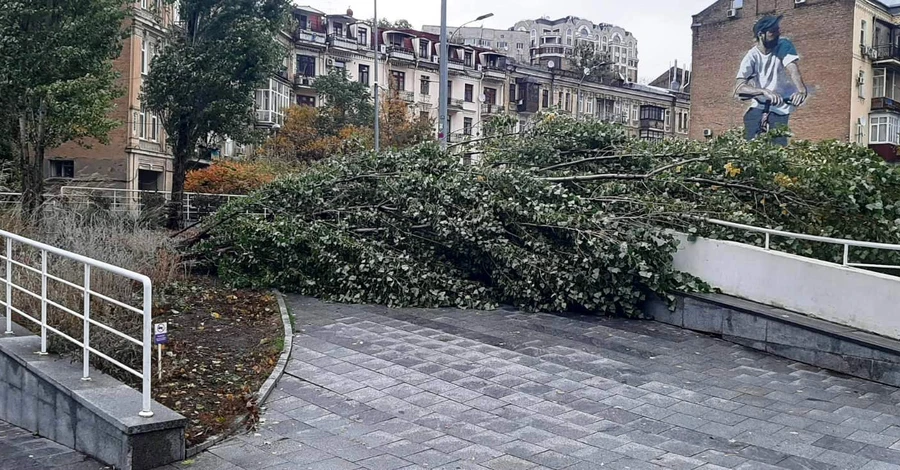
(57, 83)
(587, 56)
(202, 83)
(385, 23)
(346, 102)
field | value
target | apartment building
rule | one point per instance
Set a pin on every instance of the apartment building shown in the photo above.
(484, 80)
(849, 59)
(136, 156)
(542, 41)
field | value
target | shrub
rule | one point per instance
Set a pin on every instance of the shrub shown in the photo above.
(226, 177)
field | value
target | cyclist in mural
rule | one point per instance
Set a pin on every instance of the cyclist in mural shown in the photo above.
(769, 77)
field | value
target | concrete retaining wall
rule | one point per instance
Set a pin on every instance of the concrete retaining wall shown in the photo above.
(860, 299)
(46, 395)
(787, 334)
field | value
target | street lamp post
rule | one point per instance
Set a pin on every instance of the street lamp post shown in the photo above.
(443, 124)
(587, 71)
(375, 91)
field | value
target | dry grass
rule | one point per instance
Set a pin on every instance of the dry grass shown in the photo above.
(116, 238)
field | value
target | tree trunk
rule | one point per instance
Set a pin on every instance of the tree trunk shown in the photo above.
(31, 164)
(181, 153)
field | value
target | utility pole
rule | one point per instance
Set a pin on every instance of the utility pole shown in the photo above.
(375, 46)
(443, 125)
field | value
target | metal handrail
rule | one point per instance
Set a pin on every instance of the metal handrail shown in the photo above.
(85, 344)
(815, 238)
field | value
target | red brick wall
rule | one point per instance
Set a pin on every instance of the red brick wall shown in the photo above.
(822, 31)
(99, 160)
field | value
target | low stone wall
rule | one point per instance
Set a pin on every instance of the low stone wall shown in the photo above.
(856, 298)
(799, 337)
(45, 395)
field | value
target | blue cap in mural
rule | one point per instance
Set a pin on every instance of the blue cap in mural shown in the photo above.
(766, 23)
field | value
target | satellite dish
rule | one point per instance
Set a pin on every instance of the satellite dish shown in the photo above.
(551, 64)
(587, 70)
(482, 98)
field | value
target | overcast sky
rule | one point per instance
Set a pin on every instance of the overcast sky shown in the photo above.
(662, 27)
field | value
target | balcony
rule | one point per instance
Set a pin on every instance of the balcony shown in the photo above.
(304, 81)
(407, 96)
(550, 50)
(310, 37)
(456, 64)
(494, 71)
(885, 104)
(268, 118)
(613, 118)
(400, 52)
(458, 137)
(489, 108)
(884, 54)
(344, 42)
(454, 104)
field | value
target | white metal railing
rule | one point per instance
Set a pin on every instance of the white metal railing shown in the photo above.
(134, 199)
(85, 343)
(834, 241)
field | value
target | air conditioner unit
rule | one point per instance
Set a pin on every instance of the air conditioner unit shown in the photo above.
(861, 79)
(873, 53)
(732, 13)
(707, 133)
(329, 62)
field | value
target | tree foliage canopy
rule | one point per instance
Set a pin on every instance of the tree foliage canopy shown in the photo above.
(570, 216)
(57, 82)
(202, 83)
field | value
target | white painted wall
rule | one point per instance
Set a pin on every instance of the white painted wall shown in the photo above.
(852, 297)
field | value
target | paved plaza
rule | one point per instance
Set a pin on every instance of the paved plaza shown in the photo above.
(372, 388)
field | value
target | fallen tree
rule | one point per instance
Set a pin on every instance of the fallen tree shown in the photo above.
(570, 216)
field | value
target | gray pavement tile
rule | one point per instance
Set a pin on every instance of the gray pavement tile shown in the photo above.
(430, 458)
(677, 462)
(476, 453)
(383, 462)
(508, 462)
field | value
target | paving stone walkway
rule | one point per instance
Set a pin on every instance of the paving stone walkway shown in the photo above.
(20, 450)
(373, 388)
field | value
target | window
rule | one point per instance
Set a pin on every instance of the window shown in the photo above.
(470, 91)
(425, 85)
(668, 119)
(362, 35)
(142, 123)
(144, 61)
(62, 169)
(520, 46)
(340, 64)
(737, 4)
(862, 33)
(503, 45)
(306, 100)
(469, 59)
(545, 99)
(338, 29)
(568, 101)
(304, 22)
(398, 80)
(559, 99)
(423, 49)
(154, 128)
(861, 84)
(885, 129)
(467, 126)
(364, 74)
(306, 65)
(490, 95)
(569, 37)
(512, 92)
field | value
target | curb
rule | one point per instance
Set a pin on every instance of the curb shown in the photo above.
(267, 387)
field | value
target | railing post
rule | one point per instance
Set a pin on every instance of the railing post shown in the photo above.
(9, 286)
(146, 373)
(43, 303)
(846, 255)
(767, 241)
(87, 323)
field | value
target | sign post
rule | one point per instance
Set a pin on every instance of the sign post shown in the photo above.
(160, 337)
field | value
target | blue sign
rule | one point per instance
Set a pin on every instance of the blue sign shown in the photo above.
(161, 338)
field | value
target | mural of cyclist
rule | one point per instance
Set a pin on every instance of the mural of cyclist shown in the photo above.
(769, 77)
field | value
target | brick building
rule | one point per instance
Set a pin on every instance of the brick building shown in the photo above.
(136, 156)
(848, 59)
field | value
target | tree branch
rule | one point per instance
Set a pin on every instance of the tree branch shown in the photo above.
(621, 176)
